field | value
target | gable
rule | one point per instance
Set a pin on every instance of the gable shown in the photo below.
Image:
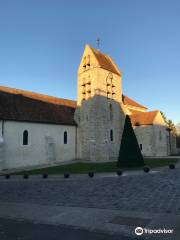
(94, 58)
(106, 62)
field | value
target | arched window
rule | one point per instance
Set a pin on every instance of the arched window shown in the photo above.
(65, 137)
(25, 137)
(140, 145)
(88, 60)
(111, 135)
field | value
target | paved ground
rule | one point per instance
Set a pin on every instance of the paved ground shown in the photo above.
(23, 230)
(94, 203)
(146, 192)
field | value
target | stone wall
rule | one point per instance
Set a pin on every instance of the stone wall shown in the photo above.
(45, 144)
(100, 125)
(155, 140)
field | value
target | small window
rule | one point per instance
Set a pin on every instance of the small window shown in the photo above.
(25, 137)
(140, 145)
(88, 60)
(160, 135)
(111, 112)
(84, 63)
(111, 135)
(65, 137)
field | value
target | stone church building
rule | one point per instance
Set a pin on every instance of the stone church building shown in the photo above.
(39, 130)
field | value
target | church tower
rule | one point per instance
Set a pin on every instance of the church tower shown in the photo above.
(99, 114)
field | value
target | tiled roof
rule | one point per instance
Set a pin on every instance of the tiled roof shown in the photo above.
(38, 96)
(105, 62)
(135, 111)
(130, 102)
(143, 118)
(22, 105)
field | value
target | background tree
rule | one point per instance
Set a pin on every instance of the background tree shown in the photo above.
(169, 123)
(130, 154)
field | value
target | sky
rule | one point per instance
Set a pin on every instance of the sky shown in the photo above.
(42, 41)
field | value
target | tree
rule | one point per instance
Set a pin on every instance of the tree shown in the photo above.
(171, 126)
(169, 123)
(130, 154)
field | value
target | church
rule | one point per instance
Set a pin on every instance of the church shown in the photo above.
(39, 130)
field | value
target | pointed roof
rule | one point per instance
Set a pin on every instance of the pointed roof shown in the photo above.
(103, 60)
(130, 102)
(144, 118)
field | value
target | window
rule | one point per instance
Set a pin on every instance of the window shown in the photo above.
(84, 63)
(160, 135)
(25, 137)
(88, 60)
(111, 112)
(140, 145)
(111, 135)
(65, 137)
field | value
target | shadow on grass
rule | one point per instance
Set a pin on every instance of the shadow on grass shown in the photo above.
(79, 168)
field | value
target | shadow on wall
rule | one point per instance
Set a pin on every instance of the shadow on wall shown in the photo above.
(100, 123)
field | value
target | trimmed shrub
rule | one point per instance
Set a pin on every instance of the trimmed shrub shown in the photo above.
(130, 154)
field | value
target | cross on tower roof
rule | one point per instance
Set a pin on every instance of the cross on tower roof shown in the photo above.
(98, 43)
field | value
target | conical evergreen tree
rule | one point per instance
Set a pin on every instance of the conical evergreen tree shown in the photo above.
(130, 154)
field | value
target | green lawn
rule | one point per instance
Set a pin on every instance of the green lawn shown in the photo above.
(96, 167)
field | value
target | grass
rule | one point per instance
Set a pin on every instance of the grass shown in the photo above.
(97, 167)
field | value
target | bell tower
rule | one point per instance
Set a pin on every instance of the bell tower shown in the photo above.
(98, 75)
(99, 114)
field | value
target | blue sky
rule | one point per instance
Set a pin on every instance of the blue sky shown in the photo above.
(41, 43)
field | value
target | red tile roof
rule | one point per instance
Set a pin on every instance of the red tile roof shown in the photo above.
(130, 102)
(38, 96)
(105, 61)
(135, 111)
(143, 118)
(19, 105)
